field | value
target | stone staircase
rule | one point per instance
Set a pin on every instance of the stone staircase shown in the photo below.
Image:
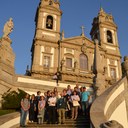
(80, 122)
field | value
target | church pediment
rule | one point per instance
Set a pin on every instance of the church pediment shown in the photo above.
(79, 40)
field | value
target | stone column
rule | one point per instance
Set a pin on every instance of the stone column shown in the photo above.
(36, 59)
(7, 70)
(7, 56)
(119, 68)
(125, 65)
(99, 80)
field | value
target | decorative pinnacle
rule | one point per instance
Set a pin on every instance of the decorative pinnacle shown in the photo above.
(101, 8)
(82, 28)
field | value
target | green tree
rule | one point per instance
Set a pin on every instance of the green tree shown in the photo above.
(11, 99)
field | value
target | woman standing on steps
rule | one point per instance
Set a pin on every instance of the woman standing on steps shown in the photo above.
(41, 110)
(75, 101)
(25, 105)
(32, 110)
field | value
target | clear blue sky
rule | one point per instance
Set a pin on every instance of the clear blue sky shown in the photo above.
(75, 14)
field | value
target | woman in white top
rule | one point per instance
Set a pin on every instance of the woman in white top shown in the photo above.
(75, 98)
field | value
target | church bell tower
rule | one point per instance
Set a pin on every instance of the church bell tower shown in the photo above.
(45, 43)
(104, 30)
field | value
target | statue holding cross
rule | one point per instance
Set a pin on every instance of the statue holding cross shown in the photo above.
(82, 28)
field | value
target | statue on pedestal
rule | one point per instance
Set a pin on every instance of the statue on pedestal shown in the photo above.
(8, 27)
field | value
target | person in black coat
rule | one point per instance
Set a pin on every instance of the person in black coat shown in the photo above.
(37, 98)
(32, 110)
(61, 107)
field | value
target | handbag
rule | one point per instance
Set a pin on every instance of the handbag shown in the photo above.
(75, 103)
(39, 116)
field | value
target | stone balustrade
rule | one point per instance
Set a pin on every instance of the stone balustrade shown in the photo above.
(10, 120)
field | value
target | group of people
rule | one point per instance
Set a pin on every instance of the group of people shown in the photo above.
(53, 106)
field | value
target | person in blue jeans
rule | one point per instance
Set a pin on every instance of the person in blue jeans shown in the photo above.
(25, 105)
(84, 101)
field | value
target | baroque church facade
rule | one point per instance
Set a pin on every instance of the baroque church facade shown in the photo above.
(76, 59)
(56, 60)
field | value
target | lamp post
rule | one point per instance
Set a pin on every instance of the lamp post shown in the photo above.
(58, 68)
(57, 75)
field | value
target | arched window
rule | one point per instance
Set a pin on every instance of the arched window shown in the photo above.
(109, 37)
(49, 22)
(83, 62)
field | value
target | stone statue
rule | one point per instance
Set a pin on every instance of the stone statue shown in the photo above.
(76, 64)
(8, 27)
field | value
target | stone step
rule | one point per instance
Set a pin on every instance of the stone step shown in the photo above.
(68, 123)
(80, 122)
(59, 126)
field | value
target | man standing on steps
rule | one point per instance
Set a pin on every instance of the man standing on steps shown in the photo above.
(37, 98)
(52, 108)
(85, 96)
(61, 107)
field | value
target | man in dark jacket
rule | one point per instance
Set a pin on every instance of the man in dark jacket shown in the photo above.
(61, 107)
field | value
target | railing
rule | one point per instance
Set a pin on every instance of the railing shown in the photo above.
(111, 105)
(10, 120)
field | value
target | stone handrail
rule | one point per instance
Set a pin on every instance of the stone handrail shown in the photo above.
(111, 105)
(10, 120)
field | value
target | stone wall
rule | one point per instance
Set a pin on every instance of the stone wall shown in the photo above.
(32, 85)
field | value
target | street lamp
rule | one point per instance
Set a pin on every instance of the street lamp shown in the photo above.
(57, 75)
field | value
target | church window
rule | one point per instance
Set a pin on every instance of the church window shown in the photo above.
(49, 22)
(83, 62)
(69, 62)
(47, 61)
(113, 73)
(109, 37)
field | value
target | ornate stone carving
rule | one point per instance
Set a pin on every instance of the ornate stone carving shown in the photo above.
(84, 48)
(48, 49)
(112, 62)
(8, 27)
